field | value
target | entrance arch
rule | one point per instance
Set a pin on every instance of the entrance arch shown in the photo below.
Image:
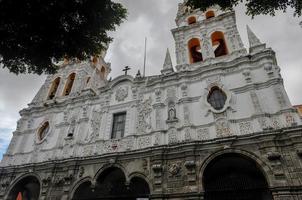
(234, 177)
(28, 188)
(112, 184)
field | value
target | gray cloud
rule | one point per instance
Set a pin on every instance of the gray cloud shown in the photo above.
(154, 19)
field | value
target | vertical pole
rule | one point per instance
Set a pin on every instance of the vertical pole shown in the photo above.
(145, 57)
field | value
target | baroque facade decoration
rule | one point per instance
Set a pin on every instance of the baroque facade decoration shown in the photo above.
(199, 130)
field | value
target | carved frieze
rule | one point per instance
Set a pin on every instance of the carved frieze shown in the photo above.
(121, 93)
(203, 134)
(144, 116)
(245, 128)
(223, 129)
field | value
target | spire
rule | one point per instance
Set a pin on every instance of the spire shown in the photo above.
(168, 66)
(255, 43)
(253, 39)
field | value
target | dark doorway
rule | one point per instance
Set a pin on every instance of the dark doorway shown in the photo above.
(111, 184)
(234, 177)
(27, 188)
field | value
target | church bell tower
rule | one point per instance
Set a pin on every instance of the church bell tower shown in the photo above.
(205, 37)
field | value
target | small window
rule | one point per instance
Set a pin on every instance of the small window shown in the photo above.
(191, 20)
(43, 130)
(210, 14)
(217, 98)
(69, 84)
(118, 128)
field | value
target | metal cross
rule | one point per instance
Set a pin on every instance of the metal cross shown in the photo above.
(126, 69)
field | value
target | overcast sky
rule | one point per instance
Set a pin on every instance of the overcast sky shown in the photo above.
(154, 19)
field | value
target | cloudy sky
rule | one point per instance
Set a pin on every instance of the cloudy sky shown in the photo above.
(154, 19)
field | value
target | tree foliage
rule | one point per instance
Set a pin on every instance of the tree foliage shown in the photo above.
(34, 32)
(254, 7)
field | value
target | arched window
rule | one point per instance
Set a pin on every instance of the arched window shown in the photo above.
(43, 130)
(219, 44)
(210, 14)
(54, 87)
(191, 20)
(69, 84)
(195, 50)
(103, 72)
(217, 98)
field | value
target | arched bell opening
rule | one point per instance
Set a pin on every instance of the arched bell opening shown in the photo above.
(103, 73)
(69, 84)
(192, 20)
(219, 44)
(195, 54)
(112, 184)
(234, 177)
(210, 14)
(27, 188)
(54, 87)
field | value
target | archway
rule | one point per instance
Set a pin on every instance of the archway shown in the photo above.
(54, 87)
(219, 44)
(192, 20)
(234, 177)
(111, 184)
(195, 50)
(210, 14)
(27, 188)
(69, 84)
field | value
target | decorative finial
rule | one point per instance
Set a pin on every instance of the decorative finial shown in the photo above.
(253, 39)
(138, 75)
(168, 66)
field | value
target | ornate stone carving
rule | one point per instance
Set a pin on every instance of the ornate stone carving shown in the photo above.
(223, 129)
(144, 142)
(203, 134)
(174, 168)
(171, 92)
(186, 115)
(245, 128)
(71, 128)
(290, 120)
(172, 112)
(81, 171)
(157, 140)
(95, 125)
(172, 137)
(158, 94)
(121, 93)
(144, 116)
(188, 136)
(276, 123)
(247, 75)
(184, 90)
(214, 80)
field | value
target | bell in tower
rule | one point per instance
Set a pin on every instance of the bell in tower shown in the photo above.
(203, 36)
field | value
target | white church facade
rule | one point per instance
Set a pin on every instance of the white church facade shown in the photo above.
(218, 125)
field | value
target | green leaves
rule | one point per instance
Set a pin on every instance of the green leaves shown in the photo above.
(254, 7)
(33, 32)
